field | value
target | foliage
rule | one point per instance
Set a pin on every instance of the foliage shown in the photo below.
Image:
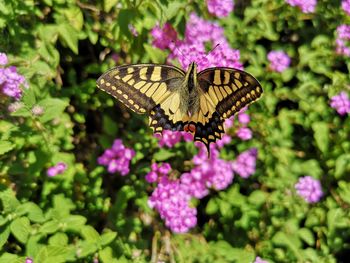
(85, 214)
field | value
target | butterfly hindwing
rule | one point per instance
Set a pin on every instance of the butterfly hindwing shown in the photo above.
(141, 87)
(224, 92)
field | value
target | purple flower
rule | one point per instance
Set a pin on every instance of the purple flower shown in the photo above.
(243, 117)
(260, 260)
(59, 168)
(158, 172)
(341, 103)
(117, 158)
(220, 8)
(309, 188)
(279, 60)
(172, 201)
(10, 82)
(306, 6)
(163, 37)
(244, 133)
(170, 138)
(229, 122)
(343, 36)
(3, 59)
(345, 4)
(245, 163)
(29, 260)
(225, 139)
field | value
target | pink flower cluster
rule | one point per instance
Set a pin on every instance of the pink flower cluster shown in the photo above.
(10, 80)
(279, 60)
(59, 168)
(343, 36)
(170, 138)
(242, 132)
(245, 163)
(260, 260)
(192, 48)
(341, 103)
(117, 158)
(306, 6)
(220, 8)
(309, 188)
(172, 200)
(157, 172)
(345, 4)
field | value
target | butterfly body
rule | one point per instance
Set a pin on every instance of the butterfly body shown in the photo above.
(182, 101)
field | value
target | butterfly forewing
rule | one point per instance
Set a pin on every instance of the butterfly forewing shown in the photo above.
(223, 92)
(142, 86)
(147, 88)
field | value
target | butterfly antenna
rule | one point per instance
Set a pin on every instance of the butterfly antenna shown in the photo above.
(210, 51)
(182, 54)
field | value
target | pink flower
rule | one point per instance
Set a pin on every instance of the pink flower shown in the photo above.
(309, 188)
(345, 4)
(279, 60)
(220, 8)
(3, 59)
(341, 103)
(170, 138)
(244, 133)
(59, 168)
(245, 163)
(117, 158)
(163, 37)
(306, 6)
(343, 37)
(260, 260)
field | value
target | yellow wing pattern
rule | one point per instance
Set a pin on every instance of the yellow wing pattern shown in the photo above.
(223, 92)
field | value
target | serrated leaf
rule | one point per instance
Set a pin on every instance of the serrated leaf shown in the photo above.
(4, 235)
(321, 135)
(163, 154)
(59, 239)
(107, 238)
(20, 228)
(49, 227)
(73, 222)
(90, 234)
(109, 4)
(106, 255)
(69, 36)
(87, 248)
(52, 108)
(307, 235)
(9, 201)
(342, 165)
(6, 146)
(34, 212)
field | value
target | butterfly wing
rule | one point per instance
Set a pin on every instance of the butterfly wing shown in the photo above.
(222, 93)
(148, 88)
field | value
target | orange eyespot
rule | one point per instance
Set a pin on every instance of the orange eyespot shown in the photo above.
(190, 128)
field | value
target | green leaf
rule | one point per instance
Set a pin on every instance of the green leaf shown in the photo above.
(4, 235)
(257, 197)
(87, 248)
(52, 108)
(6, 146)
(59, 239)
(69, 36)
(90, 234)
(212, 206)
(342, 165)
(156, 55)
(344, 191)
(49, 227)
(9, 201)
(163, 154)
(109, 4)
(321, 135)
(106, 255)
(20, 228)
(288, 240)
(73, 222)
(35, 214)
(107, 238)
(28, 98)
(7, 257)
(307, 235)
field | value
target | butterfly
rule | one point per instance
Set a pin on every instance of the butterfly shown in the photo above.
(182, 101)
